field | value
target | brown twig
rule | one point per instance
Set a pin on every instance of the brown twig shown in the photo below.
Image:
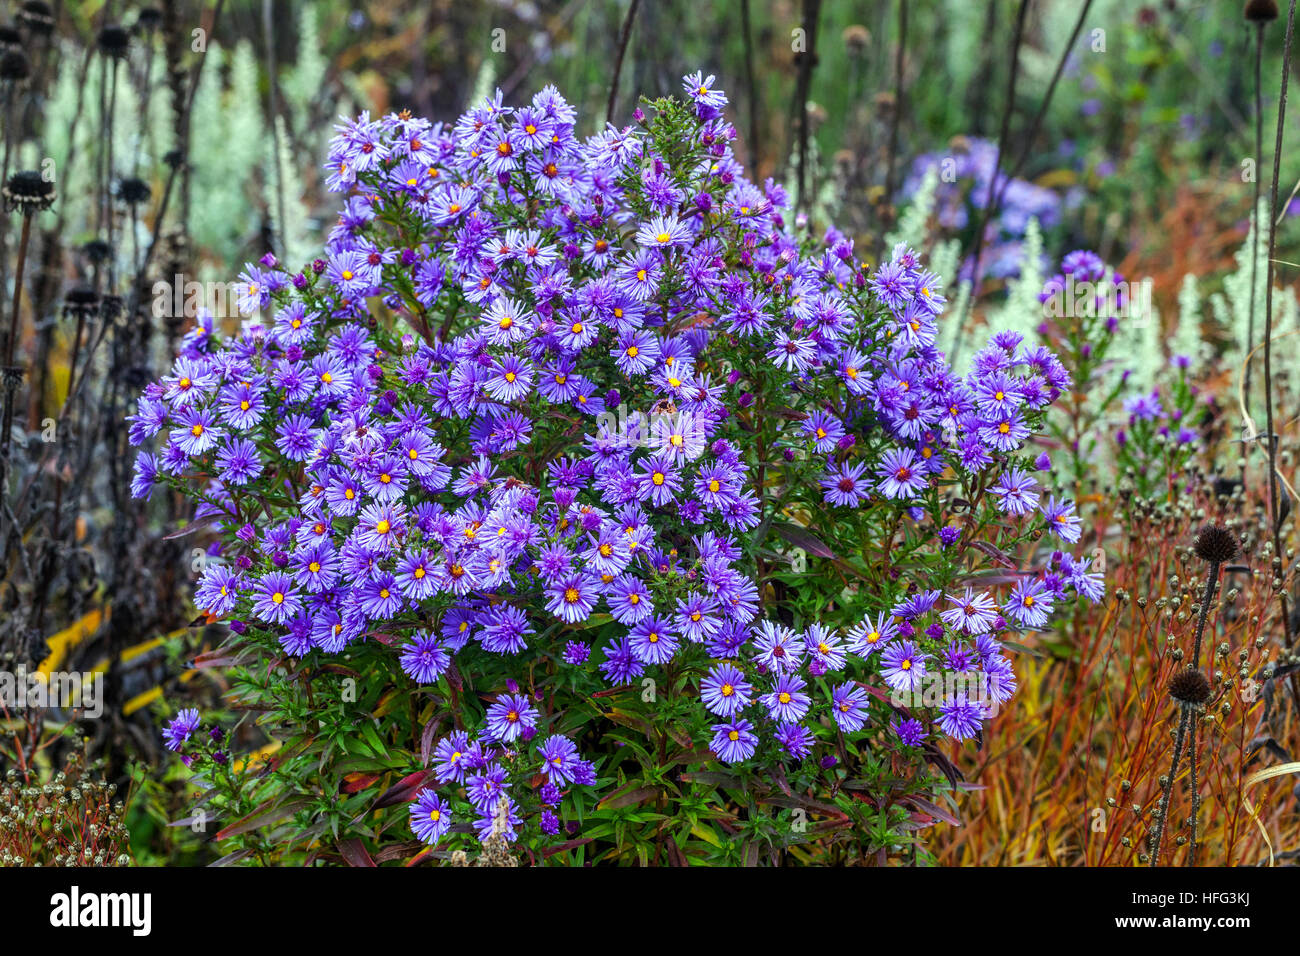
(618, 59)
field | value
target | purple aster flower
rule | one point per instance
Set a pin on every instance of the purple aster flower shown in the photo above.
(652, 641)
(960, 718)
(1062, 520)
(238, 462)
(903, 666)
(868, 636)
(971, 613)
(559, 758)
(506, 631)
(725, 691)
(787, 700)
(217, 591)
(910, 732)
(849, 706)
(792, 354)
(197, 432)
(796, 739)
(430, 817)
(449, 764)
(510, 717)
(178, 730)
(424, 659)
(1029, 603)
(296, 439)
(899, 475)
(576, 653)
(776, 647)
(733, 741)
(621, 664)
(276, 599)
(571, 598)
(844, 485)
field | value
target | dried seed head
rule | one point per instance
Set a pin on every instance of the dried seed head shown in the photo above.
(37, 17)
(1216, 543)
(28, 191)
(81, 302)
(14, 66)
(1260, 11)
(114, 41)
(133, 191)
(148, 19)
(856, 38)
(1189, 687)
(97, 251)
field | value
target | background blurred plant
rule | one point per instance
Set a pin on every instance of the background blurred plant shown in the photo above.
(166, 161)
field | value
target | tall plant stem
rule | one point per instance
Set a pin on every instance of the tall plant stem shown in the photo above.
(1167, 791)
(268, 24)
(803, 87)
(894, 120)
(10, 384)
(1254, 209)
(1273, 518)
(987, 211)
(624, 36)
(752, 88)
(1211, 583)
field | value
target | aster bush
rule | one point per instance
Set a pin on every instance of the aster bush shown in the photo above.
(581, 488)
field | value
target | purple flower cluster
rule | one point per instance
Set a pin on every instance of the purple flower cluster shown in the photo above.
(484, 768)
(467, 489)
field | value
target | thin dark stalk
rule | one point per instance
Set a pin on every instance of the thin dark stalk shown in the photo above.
(987, 211)
(752, 87)
(12, 340)
(1211, 583)
(108, 185)
(10, 89)
(895, 119)
(1014, 171)
(10, 377)
(1273, 517)
(1184, 718)
(1254, 209)
(803, 87)
(623, 39)
(269, 27)
(1196, 790)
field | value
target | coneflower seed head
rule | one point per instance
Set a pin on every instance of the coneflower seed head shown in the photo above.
(1189, 687)
(1260, 11)
(1216, 543)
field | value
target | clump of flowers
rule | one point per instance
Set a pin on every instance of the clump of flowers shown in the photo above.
(591, 446)
(965, 172)
(1151, 407)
